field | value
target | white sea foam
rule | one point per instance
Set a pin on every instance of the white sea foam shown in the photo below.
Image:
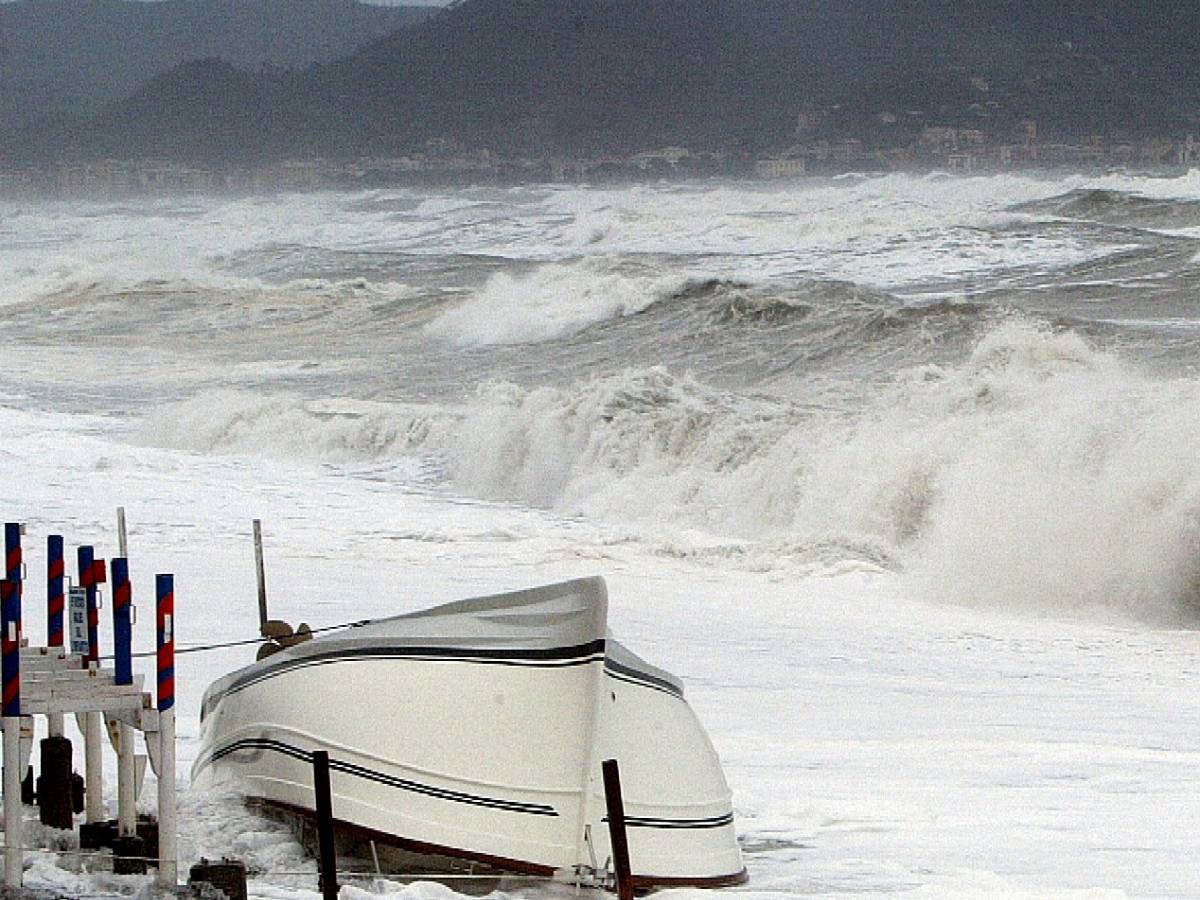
(286, 426)
(881, 231)
(875, 743)
(1040, 473)
(555, 300)
(1184, 186)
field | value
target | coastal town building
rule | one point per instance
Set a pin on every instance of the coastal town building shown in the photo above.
(927, 147)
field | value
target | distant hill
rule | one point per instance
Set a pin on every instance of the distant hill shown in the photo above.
(76, 57)
(592, 76)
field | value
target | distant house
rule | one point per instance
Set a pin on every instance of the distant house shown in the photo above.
(780, 167)
(665, 157)
(939, 139)
(1187, 151)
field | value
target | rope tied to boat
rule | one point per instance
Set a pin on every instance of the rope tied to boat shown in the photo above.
(223, 645)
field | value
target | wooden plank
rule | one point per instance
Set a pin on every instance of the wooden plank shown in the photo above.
(68, 676)
(144, 720)
(44, 653)
(67, 690)
(55, 663)
(83, 704)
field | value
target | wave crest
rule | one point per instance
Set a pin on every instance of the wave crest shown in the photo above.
(240, 422)
(1039, 473)
(554, 300)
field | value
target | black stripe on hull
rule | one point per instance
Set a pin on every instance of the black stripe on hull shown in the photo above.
(690, 824)
(519, 867)
(507, 864)
(414, 787)
(537, 657)
(641, 679)
(363, 772)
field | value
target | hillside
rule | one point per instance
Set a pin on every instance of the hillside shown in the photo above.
(76, 57)
(618, 75)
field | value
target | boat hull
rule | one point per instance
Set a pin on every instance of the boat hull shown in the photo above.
(487, 748)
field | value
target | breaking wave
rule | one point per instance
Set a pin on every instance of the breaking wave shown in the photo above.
(1115, 207)
(554, 300)
(1038, 472)
(242, 422)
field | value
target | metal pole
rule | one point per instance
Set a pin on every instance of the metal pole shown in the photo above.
(55, 604)
(93, 729)
(122, 608)
(10, 667)
(86, 557)
(327, 853)
(168, 875)
(12, 556)
(93, 767)
(14, 838)
(261, 572)
(15, 573)
(122, 538)
(617, 837)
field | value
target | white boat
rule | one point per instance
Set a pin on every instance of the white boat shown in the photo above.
(475, 731)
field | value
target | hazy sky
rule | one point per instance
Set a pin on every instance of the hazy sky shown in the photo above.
(372, 2)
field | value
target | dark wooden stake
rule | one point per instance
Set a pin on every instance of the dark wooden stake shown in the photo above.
(327, 853)
(617, 838)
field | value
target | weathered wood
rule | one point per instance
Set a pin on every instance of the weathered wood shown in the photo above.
(618, 838)
(88, 706)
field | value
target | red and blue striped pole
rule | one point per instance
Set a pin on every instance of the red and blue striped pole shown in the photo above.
(55, 595)
(122, 607)
(10, 668)
(165, 591)
(12, 554)
(167, 829)
(10, 646)
(87, 574)
(10, 620)
(10, 685)
(56, 601)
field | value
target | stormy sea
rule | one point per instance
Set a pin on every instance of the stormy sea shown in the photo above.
(898, 474)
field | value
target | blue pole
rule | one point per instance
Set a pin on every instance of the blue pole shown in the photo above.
(122, 621)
